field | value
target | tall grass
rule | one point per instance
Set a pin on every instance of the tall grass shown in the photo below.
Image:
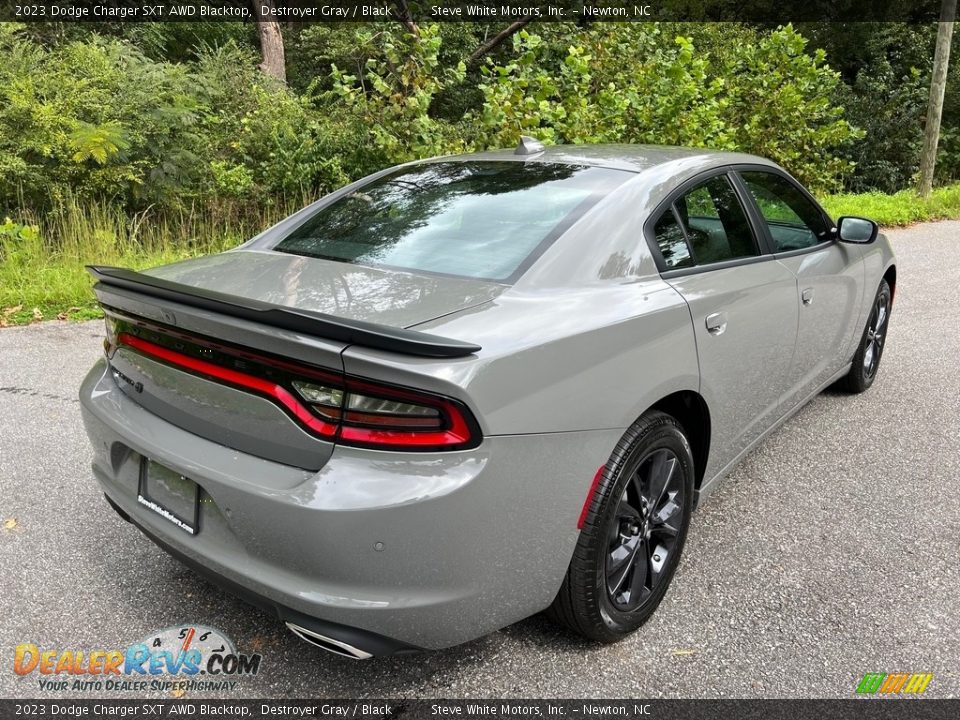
(43, 267)
(902, 208)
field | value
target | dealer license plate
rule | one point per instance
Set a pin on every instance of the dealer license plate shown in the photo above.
(169, 494)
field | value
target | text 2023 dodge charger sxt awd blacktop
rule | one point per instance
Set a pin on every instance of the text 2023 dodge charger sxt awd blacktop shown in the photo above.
(468, 389)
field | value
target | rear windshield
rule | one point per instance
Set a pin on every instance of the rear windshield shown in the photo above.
(486, 220)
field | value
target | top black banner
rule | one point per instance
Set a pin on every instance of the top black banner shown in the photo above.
(382, 11)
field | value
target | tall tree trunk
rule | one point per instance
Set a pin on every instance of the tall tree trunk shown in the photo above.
(938, 84)
(271, 42)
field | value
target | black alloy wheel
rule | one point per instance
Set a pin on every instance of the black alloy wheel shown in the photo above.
(633, 534)
(643, 537)
(876, 333)
(866, 361)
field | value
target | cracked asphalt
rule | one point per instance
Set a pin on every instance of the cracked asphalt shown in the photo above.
(831, 551)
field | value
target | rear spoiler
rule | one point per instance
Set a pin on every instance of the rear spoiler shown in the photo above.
(354, 332)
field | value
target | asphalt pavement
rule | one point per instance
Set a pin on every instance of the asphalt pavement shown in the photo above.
(832, 551)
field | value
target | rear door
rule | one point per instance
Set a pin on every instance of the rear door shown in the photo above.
(829, 278)
(743, 304)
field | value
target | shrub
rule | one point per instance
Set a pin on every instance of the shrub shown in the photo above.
(393, 96)
(781, 106)
(614, 84)
(93, 119)
(629, 84)
(97, 119)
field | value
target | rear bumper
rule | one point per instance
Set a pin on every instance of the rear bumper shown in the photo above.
(362, 642)
(403, 550)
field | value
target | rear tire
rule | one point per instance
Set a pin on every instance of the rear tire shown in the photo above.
(866, 361)
(633, 535)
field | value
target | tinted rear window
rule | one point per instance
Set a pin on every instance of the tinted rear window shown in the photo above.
(486, 220)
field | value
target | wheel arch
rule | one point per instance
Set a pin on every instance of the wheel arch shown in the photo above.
(691, 411)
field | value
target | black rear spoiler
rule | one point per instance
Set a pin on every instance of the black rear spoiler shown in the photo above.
(354, 332)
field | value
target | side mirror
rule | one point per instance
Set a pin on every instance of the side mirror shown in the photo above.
(857, 230)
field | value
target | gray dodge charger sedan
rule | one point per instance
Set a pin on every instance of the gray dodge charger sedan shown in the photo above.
(464, 390)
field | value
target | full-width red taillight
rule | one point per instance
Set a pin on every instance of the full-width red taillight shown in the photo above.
(349, 410)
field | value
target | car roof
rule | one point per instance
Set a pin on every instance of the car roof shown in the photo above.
(632, 158)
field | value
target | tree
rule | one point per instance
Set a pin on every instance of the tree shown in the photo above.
(271, 42)
(938, 85)
(498, 39)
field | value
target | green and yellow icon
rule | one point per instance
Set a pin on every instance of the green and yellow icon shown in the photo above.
(899, 683)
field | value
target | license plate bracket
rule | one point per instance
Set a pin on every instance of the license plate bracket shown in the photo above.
(170, 495)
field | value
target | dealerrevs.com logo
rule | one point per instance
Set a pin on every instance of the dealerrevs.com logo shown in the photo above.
(188, 657)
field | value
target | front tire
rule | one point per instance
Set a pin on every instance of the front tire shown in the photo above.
(633, 535)
(866, 361)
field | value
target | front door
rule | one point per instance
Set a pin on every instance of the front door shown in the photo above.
(829, 280)
(744, 310)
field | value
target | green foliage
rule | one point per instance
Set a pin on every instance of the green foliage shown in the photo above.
(263, 141)
(14, 238)
(98, 119)
(140, 143)
(42, 258)
(890, 111)
(91, 119)
(885, 68)
(615, 84)
(629, 84)
(781, 106)
(394, 93)
(902, 208)
(97, 142)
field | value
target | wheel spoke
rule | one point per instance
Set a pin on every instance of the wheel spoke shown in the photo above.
(620, 557)
(664, 513)
(665, 531)
(639, 581)
(662, 468)
(626, 562)
(881, 316)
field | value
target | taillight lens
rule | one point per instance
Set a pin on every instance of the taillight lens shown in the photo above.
(327, 402)
(372, 415)
(348, 410)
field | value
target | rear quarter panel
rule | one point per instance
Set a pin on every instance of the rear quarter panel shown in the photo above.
(558, 361)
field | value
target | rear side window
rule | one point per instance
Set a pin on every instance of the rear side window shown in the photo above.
(672, 241)
(714, 223)
(794, 222)
(486, 220)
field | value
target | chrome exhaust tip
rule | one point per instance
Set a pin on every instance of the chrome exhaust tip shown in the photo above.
(337, 647)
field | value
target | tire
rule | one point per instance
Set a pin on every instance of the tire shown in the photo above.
(866, 361)
(600, 598)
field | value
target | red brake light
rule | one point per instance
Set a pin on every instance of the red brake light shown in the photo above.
(344, 409)
(371, 414)
(231, 377)
(404, 418)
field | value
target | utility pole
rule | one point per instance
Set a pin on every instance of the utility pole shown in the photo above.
(938, 84)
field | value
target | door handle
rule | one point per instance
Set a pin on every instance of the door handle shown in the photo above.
(716, 323)
(807, 296)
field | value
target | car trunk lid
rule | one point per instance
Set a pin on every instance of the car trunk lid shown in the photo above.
(382, 296)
